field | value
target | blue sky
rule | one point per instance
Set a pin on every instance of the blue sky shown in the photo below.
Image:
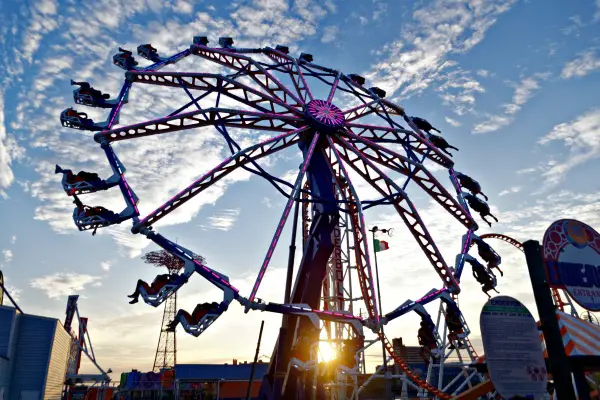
(513, 84)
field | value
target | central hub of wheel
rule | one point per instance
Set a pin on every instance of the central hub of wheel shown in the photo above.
(324, 116)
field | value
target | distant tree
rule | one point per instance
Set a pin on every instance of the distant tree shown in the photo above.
(162, 258)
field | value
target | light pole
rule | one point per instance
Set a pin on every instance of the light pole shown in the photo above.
(389, 232)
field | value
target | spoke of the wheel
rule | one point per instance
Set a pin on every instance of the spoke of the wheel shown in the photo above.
(295, 73)
(284, 216)
(230, 164)
(362, 110)
(214, 83)
(409, 214)
(117, 108)
(173, 59)
(365, 271)
(393, 124)
(417, 172)
(196, 119)
(254, 70)
(330, 73)
(382, 134)
(334, 87)
(234, 147)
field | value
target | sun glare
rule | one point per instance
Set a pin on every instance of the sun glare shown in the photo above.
(326, 352)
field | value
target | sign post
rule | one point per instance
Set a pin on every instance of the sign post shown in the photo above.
(513, 351)
(557, 358)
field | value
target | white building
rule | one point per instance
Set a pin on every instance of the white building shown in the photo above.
(33, 356)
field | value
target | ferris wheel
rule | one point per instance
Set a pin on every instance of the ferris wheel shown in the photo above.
(345, 132)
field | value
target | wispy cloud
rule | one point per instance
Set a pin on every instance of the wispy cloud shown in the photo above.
(8, 255)
(581, 137)
(105, 265)
(379, 9)
(43, 21)
(329, 34)
(514, 189)
(585, 63)
(414, 60)
(6, 173)
(458, 90)
(576, 25)
(224, 220)
(183, 7)
(62, 284)
(527, 170)
(14, 292)
(523, 92)
(276, 22)
(13, 239)
(453, 122)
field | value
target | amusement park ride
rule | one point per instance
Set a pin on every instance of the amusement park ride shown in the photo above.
(272, 93)
(81, 345)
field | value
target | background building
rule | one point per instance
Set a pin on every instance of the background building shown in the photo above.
(222, 381)
(33, 356)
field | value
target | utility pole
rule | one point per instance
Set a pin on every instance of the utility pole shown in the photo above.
(262, 324)
(557, 358)
(388, 390)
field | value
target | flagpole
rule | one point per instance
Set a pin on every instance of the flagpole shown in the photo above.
(373, 230)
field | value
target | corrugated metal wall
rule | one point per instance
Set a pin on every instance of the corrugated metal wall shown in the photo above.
(36, 335)
(7, 317)
(8, 340)
(58, 364)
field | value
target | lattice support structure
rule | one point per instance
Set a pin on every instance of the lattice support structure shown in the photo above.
(166, 350)
(337, 286)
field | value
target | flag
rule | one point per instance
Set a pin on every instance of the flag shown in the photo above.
(381, 245)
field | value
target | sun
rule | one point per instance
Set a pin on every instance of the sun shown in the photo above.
(326, 352)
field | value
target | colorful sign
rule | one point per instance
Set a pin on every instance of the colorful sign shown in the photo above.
(513, 350)
(571, 252)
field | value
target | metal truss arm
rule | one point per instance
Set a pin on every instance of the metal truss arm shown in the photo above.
(295, 73)
(196, 119)
(418, 173)
(171, 60)
(284, 216)
(219, 280)
(242, 157)
(250, 68)
(304, 309)
(368, 108)
(334, 87)
(113, 117)
(361, 247)
(405, 137)
(386, 186)
(214, 83)
(409, 305)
